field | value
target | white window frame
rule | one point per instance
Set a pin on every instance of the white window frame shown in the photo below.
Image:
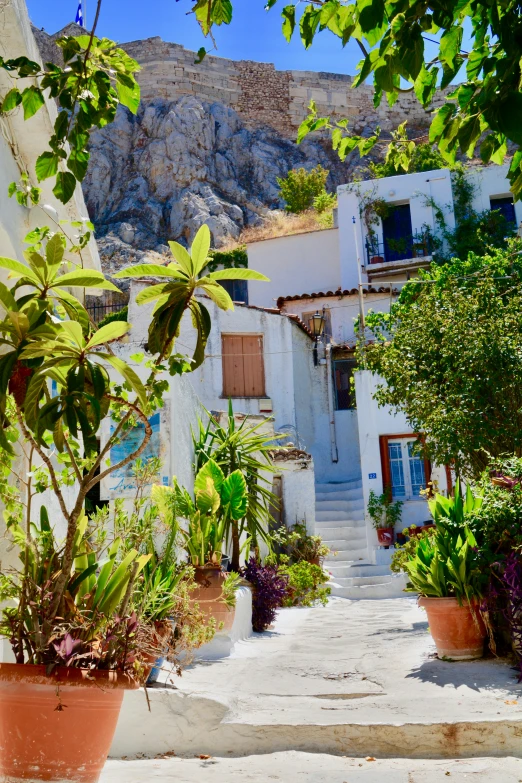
(408, 488)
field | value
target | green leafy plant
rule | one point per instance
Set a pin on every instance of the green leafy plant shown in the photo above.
(172, 298)
(448, 355)
(96, 77)
(455, 508)
(305, 584)
(244, 447)
(446, 564)
(298, 544)
(405, 552)
(300, 188)
(384, 512)
(234, 258)
(219, 501)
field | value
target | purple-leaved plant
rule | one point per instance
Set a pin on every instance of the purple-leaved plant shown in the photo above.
(270, 589)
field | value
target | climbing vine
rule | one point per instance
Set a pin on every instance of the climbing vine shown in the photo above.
(228, 259)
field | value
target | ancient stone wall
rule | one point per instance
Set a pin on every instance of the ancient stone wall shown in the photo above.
(259, 93)
(262, 95)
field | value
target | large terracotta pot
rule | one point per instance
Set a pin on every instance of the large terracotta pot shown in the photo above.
(458, 632)
(209, 595)
(57, 727)
(385, 536)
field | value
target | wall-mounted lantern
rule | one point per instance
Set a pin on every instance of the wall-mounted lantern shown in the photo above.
(316, 326)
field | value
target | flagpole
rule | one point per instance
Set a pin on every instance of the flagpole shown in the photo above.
(85, 14)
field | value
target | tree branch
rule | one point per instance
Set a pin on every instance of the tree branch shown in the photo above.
(45, 459)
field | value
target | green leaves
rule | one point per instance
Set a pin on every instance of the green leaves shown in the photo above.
(234, 495)
(32, 101)
(288, 14)
(65, 186)
(509, 116)
(11, 100)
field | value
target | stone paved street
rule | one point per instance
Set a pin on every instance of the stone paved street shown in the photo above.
(295, 767)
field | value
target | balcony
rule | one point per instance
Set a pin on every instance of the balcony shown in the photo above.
(398, 253)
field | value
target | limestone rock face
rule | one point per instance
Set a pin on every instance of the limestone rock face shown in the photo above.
(176, 165)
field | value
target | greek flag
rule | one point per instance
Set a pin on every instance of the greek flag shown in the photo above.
(79, 15)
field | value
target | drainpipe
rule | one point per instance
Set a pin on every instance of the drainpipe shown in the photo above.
(331, 412)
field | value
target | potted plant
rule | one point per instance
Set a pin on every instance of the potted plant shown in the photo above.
(385, 514)
(443, 569)
(299, 545)
(218, 501)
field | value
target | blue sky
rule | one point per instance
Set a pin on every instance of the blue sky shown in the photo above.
(253, 35)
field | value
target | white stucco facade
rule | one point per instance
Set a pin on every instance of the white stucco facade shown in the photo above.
(300, 262)
(21, 142)
(374, 421)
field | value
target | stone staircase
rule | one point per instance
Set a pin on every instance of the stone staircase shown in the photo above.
(339, 520)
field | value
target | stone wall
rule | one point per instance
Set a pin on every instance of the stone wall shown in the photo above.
(262, 95)
(259, 93)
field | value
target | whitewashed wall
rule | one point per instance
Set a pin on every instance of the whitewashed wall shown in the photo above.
(373, 422)
(27, 140)
(413, 188)
(491, 181)
(296, 264)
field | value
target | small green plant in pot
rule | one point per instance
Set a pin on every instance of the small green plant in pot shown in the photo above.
(385, 514)
(218, 502)
(444, 570)
(299, 545)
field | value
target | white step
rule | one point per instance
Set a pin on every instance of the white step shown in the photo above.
(335, 516)
(340, 544)
(339, 486)
(343, 570)
(347, 555)
(393, 587)
(362, 581)
(348, 521)
(339, 505)
(342, 531)
(339, 494)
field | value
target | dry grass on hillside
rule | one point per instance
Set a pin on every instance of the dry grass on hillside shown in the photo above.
(280, 224)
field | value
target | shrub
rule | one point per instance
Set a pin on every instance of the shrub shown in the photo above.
(270, 589)
(305, 582)
(300, 188)
(118, 315)
(324, 202)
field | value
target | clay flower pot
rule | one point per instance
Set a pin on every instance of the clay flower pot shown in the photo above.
(458, 632)
(57, 727)
(385, 536)
(209, 596)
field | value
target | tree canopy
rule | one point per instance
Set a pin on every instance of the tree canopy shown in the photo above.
(417, 46)
(450, 354)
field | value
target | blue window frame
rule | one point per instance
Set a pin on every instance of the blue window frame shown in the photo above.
(505, 205)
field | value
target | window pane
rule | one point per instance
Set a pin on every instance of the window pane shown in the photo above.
(417, 475)
(343, 372)
(506, 207)
(396, 470)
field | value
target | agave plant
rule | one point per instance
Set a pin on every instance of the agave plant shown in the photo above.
(185, 277)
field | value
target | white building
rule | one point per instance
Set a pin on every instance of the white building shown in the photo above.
(384, 235)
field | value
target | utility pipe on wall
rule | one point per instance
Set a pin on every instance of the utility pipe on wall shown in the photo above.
(331, 411)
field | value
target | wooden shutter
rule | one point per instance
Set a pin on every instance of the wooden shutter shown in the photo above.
(243, 369)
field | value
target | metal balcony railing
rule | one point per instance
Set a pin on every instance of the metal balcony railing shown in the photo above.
(398, 249)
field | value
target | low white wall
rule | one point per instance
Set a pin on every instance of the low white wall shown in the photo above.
(298, 480)
(222, 645)
(373, 422)
(295, 264)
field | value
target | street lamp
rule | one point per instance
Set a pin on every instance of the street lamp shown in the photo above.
(316, 326)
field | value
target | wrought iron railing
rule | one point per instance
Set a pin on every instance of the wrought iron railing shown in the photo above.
(398, 249)
(99, 311)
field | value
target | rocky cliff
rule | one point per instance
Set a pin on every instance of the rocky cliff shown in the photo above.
(208, 144)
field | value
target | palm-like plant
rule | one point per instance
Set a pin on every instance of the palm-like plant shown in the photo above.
(185, 277)
(243, 448)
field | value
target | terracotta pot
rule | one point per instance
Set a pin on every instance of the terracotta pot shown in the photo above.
(385, 536)
(376, 260)
(57, 727)
(315, 560)
(458, 632)
(209, 594)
